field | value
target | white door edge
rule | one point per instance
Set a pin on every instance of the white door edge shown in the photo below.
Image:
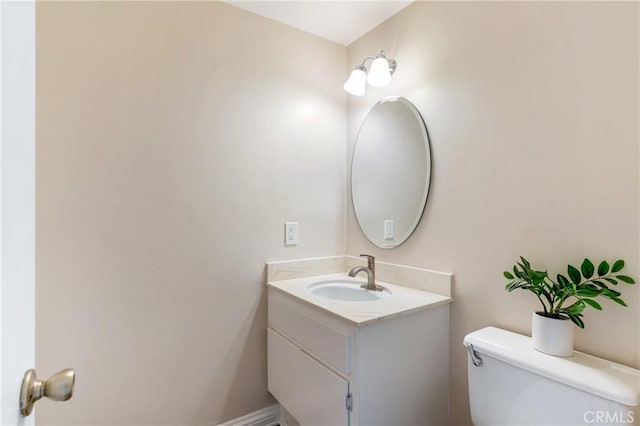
(17, 203)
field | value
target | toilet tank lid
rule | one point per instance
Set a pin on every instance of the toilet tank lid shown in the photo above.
(591, 374)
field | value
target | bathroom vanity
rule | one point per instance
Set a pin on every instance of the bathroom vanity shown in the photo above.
(333, 361)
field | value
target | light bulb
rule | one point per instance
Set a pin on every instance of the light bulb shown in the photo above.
(357, 81)
(380, 75)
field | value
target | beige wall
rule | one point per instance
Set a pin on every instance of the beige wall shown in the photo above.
(174, 139)
(532, 109)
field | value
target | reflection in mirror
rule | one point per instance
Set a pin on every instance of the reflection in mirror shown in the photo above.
(390, 172)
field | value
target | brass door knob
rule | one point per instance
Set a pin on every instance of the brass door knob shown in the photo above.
(58, 387)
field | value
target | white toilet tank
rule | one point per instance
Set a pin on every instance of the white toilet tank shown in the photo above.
(517, 385)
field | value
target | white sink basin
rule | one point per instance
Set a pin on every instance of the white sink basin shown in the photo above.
(346, 290)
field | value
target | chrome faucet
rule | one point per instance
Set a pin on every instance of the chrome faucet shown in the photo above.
(370, 269)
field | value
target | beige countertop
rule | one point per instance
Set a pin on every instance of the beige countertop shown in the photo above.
(403, 300)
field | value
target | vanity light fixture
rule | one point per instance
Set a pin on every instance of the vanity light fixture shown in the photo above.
(378, 76)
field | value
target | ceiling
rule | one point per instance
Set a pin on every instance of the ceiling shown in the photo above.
(338, 21)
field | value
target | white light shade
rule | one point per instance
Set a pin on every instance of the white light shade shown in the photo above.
(356, 82)
(379, 75)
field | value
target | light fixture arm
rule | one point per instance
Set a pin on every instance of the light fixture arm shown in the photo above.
(392, 66)
(364, 61)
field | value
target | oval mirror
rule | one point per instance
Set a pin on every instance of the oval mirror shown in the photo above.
(391, 172)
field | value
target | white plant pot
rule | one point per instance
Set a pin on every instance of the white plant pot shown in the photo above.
(552, 336)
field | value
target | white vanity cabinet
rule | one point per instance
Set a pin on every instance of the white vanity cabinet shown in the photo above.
(326, 370)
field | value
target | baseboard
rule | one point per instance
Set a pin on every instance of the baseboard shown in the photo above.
(268, 416)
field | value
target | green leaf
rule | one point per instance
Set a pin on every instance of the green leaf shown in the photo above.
(562, 280)
(618, 301)
(587, 292)
(587, 268)
(537, 277)
(625, 279)
(603, 268)
(610, 293)
(516, 272)
(577, 320)
(593, 304)
(617, 266)
(526, 262)
(512, 285)
(576, 308)
(611, 281)
(574, 274)
(508, 275)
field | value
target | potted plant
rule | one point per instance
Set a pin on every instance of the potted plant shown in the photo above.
(564, 299)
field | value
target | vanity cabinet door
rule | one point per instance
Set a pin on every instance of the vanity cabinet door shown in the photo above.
(311, 392)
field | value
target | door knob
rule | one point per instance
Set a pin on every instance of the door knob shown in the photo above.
(58, 387)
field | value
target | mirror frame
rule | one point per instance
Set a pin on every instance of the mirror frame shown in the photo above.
(428, 177)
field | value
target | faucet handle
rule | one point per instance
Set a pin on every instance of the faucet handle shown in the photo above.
(370, 261)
